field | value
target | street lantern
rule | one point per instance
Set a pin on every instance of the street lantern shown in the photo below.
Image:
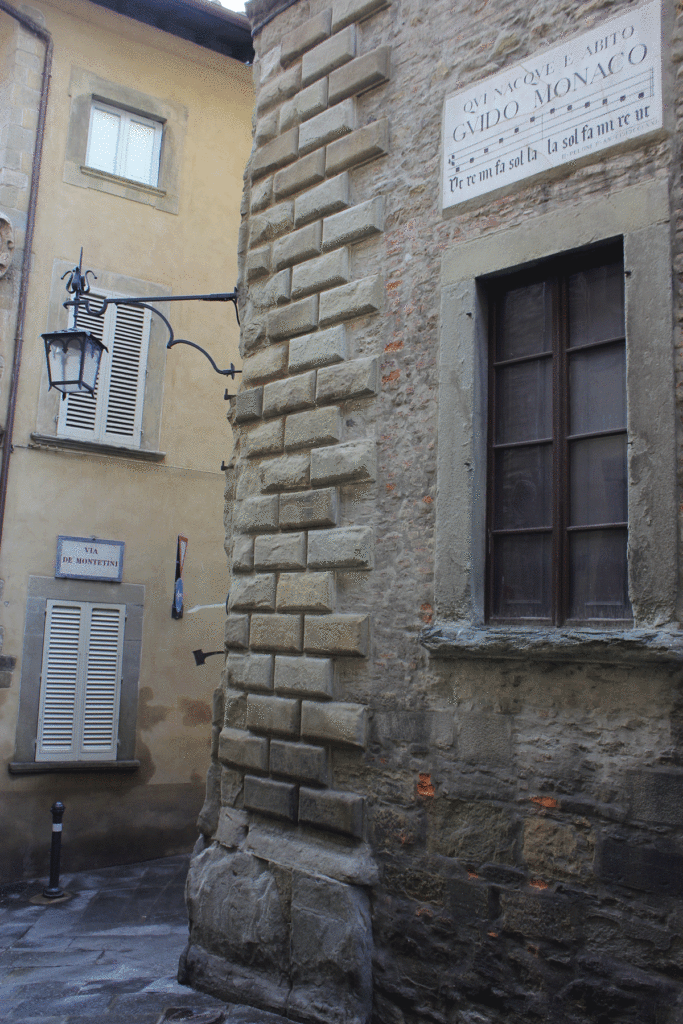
(73, 360)
(73, 355)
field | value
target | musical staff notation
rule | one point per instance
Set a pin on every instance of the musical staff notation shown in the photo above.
(592, 91)
(591, 110)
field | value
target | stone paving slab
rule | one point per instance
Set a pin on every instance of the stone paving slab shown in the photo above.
(107, 956)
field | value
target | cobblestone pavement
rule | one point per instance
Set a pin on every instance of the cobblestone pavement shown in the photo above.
(107, 956)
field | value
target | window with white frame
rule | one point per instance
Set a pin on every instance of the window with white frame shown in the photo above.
(80, 682)
(113, 414)
(125, 144)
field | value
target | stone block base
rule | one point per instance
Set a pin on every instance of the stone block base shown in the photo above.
(278, 938)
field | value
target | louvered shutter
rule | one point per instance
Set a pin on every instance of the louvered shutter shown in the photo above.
(59, 683)
(80, 682)
(114, 413)
(101, 683)
(80, 414)
(127, 364)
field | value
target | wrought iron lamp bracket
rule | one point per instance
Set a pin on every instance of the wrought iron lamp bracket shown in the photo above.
(78, 285)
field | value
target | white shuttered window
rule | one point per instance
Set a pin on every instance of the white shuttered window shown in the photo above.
(113, 415)
(80, 682)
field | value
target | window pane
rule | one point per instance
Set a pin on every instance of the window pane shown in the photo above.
(139, 153)
(525, 321)
(103, 141)
(598, 481)
(597, 389)
(596, 304)
(523, 487)
(598, 575)
(521, 576)
(524, 401)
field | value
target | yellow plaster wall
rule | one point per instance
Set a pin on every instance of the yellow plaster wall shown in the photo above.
(145, 504)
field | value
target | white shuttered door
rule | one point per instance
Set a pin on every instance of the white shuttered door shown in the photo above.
(80, 684)
(113, 414)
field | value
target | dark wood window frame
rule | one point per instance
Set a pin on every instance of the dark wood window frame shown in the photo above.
(556, 272)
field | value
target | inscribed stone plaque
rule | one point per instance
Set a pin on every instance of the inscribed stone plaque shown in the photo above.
(592, 92)
(84, 558)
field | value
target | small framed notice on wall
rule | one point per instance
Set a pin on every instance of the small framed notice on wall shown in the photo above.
(86, 558)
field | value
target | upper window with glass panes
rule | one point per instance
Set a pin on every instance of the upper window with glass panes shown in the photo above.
(125, 144)
(557, 489)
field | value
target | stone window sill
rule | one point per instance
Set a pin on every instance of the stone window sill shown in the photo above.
(116, 179)
(617, 646)
(43, 767)
(50, 441)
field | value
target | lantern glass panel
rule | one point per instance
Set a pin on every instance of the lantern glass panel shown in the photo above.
(93, 354)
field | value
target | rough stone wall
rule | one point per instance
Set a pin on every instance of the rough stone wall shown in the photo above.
(388, 835)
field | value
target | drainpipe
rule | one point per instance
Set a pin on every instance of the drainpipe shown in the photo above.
(31, 26)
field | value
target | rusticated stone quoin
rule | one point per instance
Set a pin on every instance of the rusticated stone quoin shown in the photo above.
(415, 813)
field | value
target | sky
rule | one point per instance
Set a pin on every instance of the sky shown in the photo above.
(233, 5)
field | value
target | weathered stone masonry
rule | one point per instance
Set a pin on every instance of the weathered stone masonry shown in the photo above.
(305, 464)
(410, 817)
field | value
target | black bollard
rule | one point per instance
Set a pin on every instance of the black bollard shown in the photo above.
(53, 891)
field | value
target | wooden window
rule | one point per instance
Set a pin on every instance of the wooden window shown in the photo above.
(112, 415)
(557, 493)
(80, 682)
(127, 145)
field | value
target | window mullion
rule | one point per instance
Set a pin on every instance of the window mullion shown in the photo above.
(123, 144)
(493, 332)
(561, 467)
